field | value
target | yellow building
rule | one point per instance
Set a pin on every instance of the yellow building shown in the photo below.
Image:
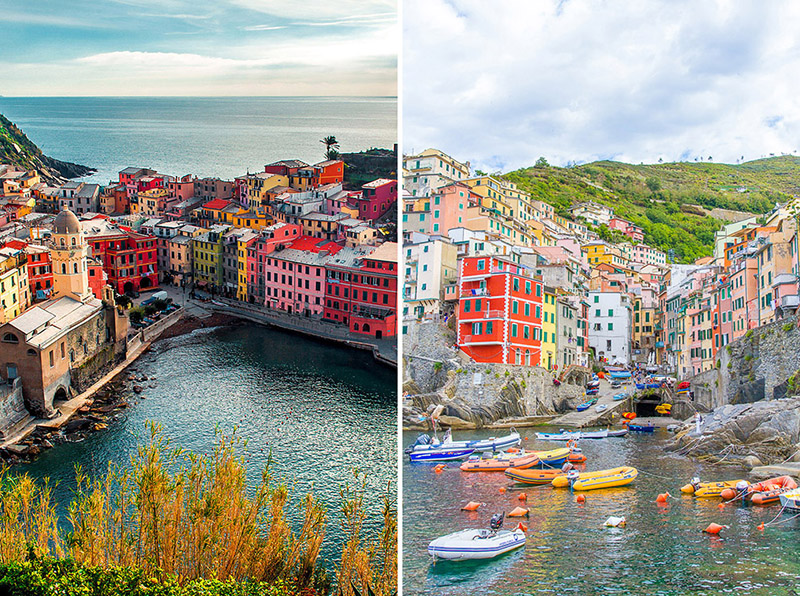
(598, 252)
(251, 219)
(14, 291)
(242, 242)
(257, 187)
(149, 203)
(549, 340)
(207, 257)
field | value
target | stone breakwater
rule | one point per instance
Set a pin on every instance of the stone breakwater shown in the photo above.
(751, 434)
(473, 395)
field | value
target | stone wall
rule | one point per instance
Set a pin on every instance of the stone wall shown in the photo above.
(12, 406)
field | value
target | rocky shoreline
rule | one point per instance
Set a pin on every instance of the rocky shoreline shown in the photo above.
(108, 404)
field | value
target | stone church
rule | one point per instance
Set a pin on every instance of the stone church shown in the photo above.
(58, 347)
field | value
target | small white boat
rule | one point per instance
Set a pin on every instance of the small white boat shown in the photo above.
(601, 408)
(425, 443)
(791, 500)
(476, 544)
(615, 522)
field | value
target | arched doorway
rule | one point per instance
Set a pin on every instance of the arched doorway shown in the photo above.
(127, 288)
(60, 394)
(365, 328)
(145, 283)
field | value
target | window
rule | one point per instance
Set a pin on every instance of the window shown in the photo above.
(611, 326)
(476, 328)
(596, 299)
(513, 330)
(515, 307)
(478, 305)
(466, 306)
(597, 312)
(481, 265)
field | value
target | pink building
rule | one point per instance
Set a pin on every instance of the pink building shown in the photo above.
(377, 197)
(448, 207)
(295, 276)
(627, 228)
(270, 238)
(180, 189)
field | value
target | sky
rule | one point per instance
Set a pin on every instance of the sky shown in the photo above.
(502, 83)
(198, 47)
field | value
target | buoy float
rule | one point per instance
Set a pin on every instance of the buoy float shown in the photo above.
(581, 499)
(521, 526)
(761, 526)
(522, 497)
(526, 438)
(502, 490)
(662, 498)
(519, 512)
(512, 450)
(721, 505)
(471, 506)
(713, 529)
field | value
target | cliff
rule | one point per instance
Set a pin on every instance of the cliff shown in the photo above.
(366, 166)
(17, 149)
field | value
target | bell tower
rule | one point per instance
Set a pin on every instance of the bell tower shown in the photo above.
(69, 255)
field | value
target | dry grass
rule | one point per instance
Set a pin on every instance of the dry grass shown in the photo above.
(174, 513)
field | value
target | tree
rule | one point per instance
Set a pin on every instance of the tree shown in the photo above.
(542, 163)
(653, 183)
(331, 147)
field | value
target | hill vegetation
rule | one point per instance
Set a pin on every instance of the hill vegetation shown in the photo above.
(17, 149)
(678, 205)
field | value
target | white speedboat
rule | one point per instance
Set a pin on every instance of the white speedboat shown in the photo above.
(791, 500)
(479, 445)
(476, 544)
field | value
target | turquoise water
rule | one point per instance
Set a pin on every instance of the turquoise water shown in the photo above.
(212, 136)
(322, 410)
(661, 550)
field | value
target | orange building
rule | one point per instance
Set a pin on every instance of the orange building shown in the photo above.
(499, 312)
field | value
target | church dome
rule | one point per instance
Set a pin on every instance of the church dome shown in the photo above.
(66, 222)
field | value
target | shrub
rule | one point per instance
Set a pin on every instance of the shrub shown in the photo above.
(730, 365)
(123, 301)
(719, 363)
(749, 334)
(160, 304)
(136, 314)
(788, 327)
(150, 310)
(437, 366)
(748, 357)
(507, 373)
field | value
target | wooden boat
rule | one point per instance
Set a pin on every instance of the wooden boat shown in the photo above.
(762, 493)
(791, 500)
(533, 475)
(600, 479)
(706, 490)
(476, 544)
(500, 463)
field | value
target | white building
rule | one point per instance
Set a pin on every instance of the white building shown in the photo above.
(429, 264)
(430, 170)
(610, 326)
(592, 212)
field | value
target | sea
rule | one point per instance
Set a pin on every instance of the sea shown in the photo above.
(220, 137)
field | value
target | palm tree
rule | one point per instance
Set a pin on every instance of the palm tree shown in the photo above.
(331, 147)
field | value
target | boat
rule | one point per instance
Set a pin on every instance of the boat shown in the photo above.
(533, 475)
(620, 432)
(477, 543)
(594, 434)
(560, 436)
(791, 500)
(619, 374)
(708, 489)
(553, 457)
(442, 454)
(761, 493)
(480, 445)
(586, 405)
(611, 478)
(642, 428)
(619, 396)
(500, 463)
(639, 385)
(601, 408)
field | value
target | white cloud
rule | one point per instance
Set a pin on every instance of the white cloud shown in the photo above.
(322, 10)
(501, 83)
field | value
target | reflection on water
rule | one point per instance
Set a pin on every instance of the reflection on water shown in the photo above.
(661, 550)
(319, 409)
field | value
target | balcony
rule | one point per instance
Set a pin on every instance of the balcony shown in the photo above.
(790, 302)
(475, 292)
(480, 340)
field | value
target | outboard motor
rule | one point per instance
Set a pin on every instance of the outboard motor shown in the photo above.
(497, 521)
(695, 482)
(572, 476)
(422, 439)
(741, 488)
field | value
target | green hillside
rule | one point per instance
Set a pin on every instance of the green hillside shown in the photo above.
(16, 148)
(672, 202)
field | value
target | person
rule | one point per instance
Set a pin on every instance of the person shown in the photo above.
(698, 422)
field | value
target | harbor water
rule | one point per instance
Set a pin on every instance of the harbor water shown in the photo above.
(661, 551)
(321, 411)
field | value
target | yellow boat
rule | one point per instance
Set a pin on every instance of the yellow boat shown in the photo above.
(553, 457)
(600, 479)
(709, 489)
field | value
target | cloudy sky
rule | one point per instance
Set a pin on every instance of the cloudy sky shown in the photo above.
(198, 47)
(501, 83)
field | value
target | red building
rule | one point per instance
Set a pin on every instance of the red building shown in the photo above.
(361, 290)
(330, 172)
(377, 197)
(98, 279)
(499, 312)
(129, 259)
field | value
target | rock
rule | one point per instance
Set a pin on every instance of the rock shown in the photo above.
(137, 389)
(143, 378)
(456, 423)
(751, 461)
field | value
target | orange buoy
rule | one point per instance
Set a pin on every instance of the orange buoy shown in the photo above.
(512, 450)
(519, 512)
(502, 490)
(581, 499)
(721, 505)
(521, 526)
(471, 506)
(761, 526)
(662, 498)
(522, 497)
(526, 438)
(713, 529)
(727, 494)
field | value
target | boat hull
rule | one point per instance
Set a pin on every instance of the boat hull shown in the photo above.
(479, 445)
(709, 490)
(533, 476)
(553, 457)
(791, 500)
(611, 478)
(440, 455)
(500, 464)
(475, 544)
